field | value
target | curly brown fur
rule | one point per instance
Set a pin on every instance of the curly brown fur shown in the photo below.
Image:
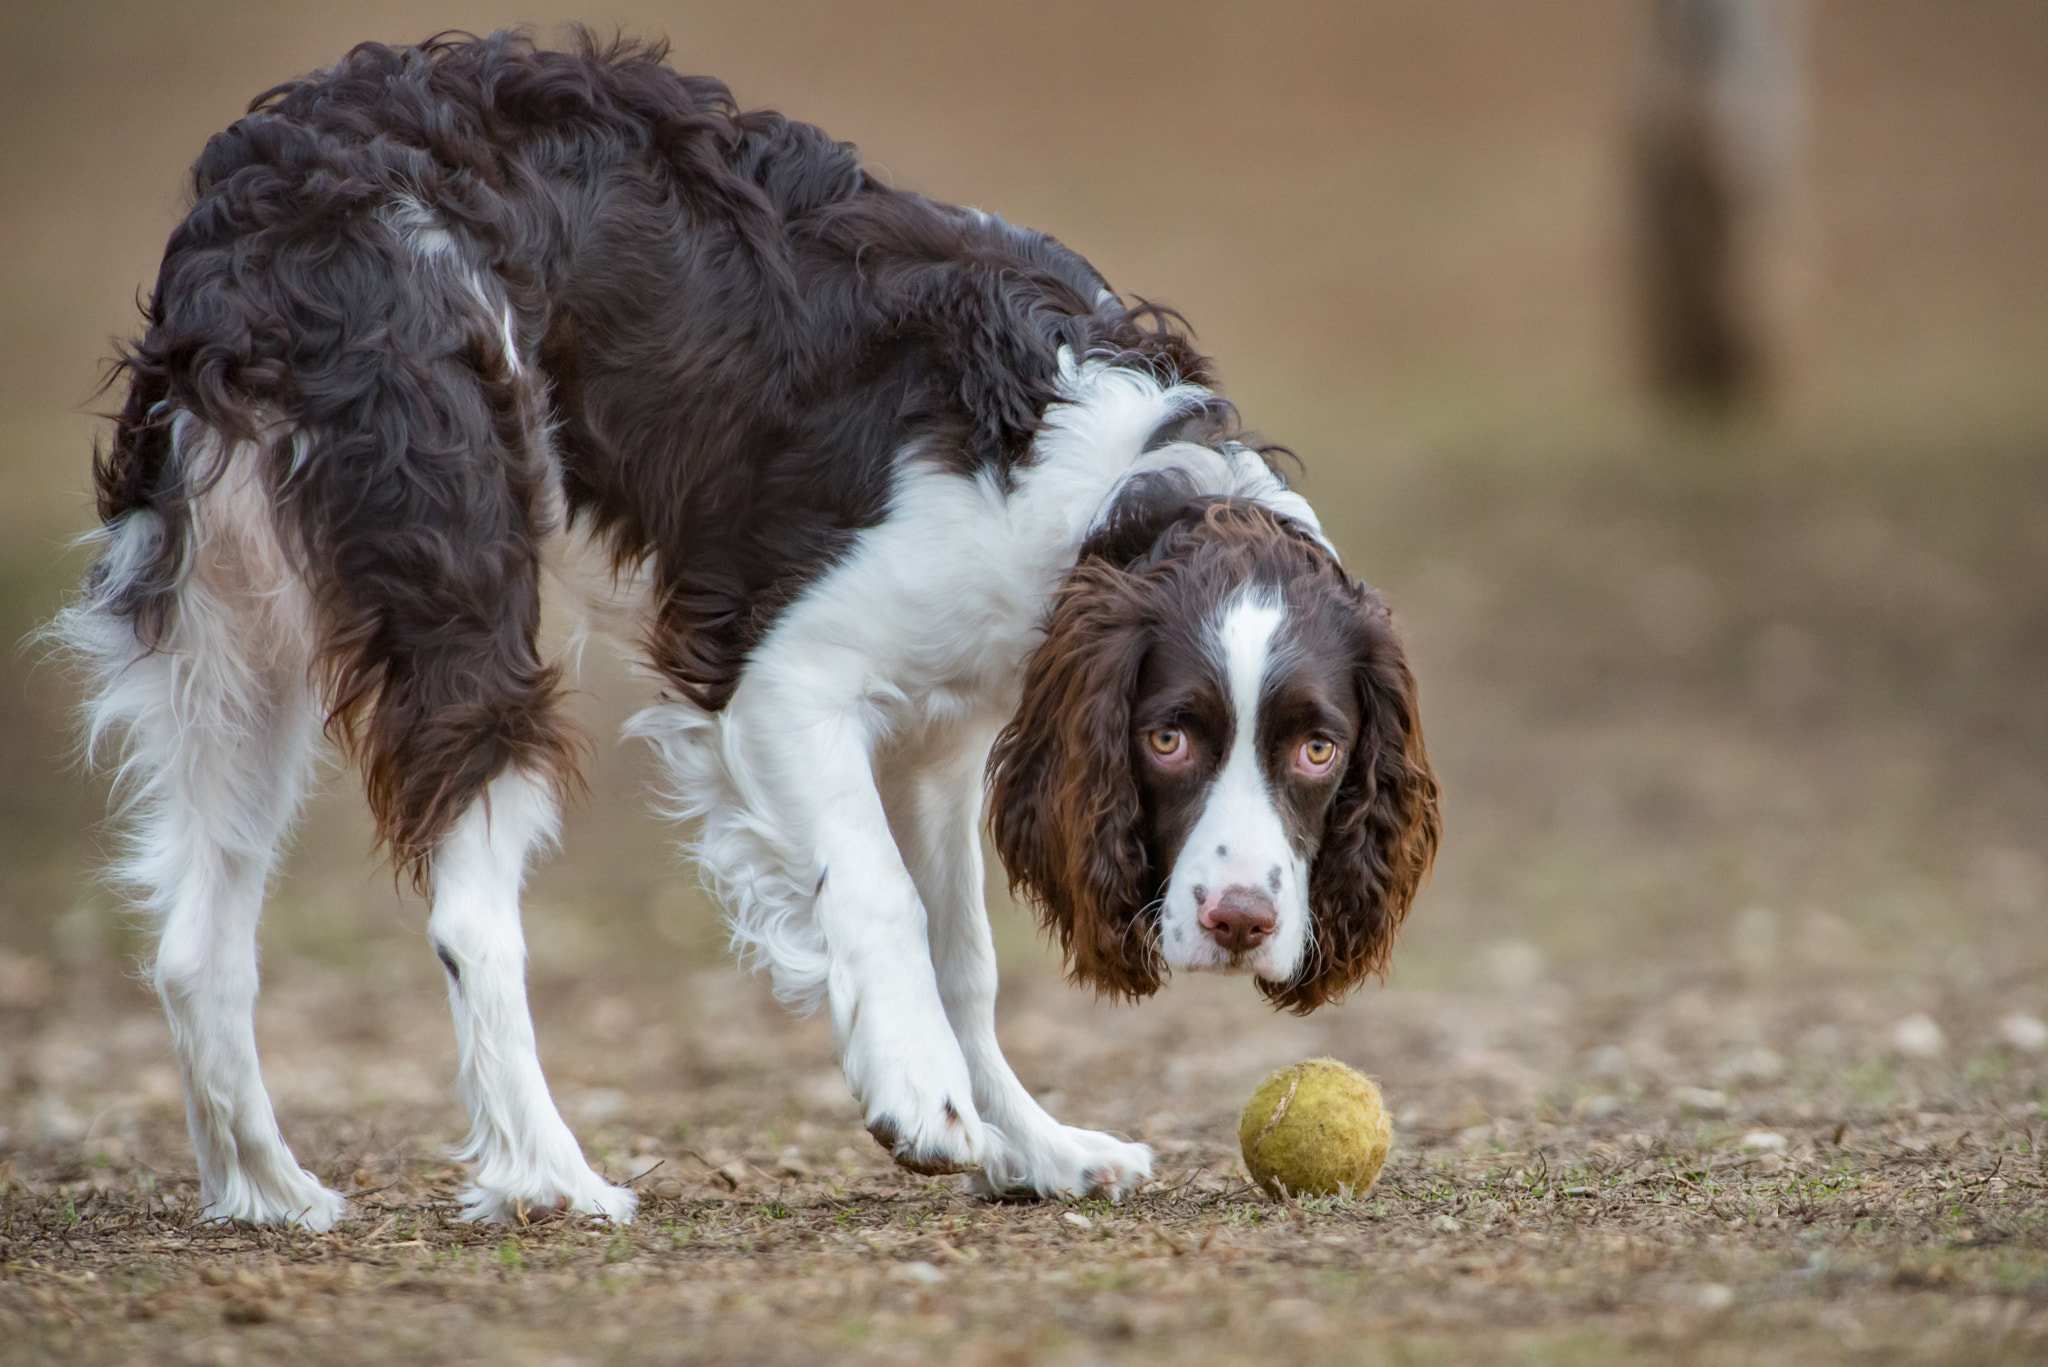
(1066, 817)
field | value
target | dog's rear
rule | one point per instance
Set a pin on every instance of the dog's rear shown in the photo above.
(200, 635)
(323, 508)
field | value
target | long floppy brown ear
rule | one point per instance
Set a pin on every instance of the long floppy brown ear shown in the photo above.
(1064, 799)
(1382, 831)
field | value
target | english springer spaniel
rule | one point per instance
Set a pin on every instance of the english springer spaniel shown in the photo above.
(903, 505)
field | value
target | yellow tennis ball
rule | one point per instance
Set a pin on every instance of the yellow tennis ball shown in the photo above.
(1315, 1128)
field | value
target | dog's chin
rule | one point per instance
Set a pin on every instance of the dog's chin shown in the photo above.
(1259, 963)
(1230, 966)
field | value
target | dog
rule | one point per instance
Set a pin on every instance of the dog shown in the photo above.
(905, 509)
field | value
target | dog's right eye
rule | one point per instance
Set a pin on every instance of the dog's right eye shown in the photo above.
(1168, 743)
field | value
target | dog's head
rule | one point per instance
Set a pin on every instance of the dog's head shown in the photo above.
(1217, 764)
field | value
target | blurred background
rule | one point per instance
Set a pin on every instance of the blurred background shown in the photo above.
(1678, 370)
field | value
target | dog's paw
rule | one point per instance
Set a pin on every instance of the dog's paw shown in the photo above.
(584, 1194)
(617, 1204)
(926, 1119)
(296, 1198)
(948, 1137)
(1062, 1161)
(321, 1210)
(915, 1092)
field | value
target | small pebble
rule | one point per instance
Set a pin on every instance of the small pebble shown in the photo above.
(1705, 1100)
(2024, 1032)
(1078, 1220)
(1764, 1141)
(1917, 1036)
(922, 1273)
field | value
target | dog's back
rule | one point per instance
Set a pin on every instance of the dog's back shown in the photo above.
(443, 298)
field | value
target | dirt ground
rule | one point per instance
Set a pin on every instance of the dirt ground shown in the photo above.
(1547, 1203)
(1718, 1035)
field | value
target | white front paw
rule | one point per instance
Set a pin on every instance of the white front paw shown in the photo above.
(1062, 1161)
(926, 1133)
(920, 1109)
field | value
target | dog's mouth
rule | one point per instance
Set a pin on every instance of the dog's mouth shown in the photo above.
(1211, 958)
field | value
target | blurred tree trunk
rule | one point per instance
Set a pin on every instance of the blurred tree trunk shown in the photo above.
(1715, 141)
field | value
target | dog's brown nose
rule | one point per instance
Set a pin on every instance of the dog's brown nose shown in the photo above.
(1240, 919)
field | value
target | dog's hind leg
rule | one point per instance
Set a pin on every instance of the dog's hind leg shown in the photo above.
(522, 1152)
(465, 755)
(218, 723)
(457, 723)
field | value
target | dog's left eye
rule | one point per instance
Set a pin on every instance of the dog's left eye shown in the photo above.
(1315, 756)
(1167, 742)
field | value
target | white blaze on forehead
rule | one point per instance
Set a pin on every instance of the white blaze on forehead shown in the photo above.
(1243, 649)
(1240, 837)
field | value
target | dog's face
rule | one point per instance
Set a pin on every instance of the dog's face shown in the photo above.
(1217, 765)
(1241, 725)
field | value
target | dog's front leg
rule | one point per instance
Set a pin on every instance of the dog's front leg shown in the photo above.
(936, 809)
(810, 768)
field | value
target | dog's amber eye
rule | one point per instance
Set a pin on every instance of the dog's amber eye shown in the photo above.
(1167, 742)
(1317, 754)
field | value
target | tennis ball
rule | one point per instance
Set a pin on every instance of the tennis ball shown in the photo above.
(1315, 1128)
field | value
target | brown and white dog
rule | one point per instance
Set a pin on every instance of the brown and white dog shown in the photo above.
(902, 504)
